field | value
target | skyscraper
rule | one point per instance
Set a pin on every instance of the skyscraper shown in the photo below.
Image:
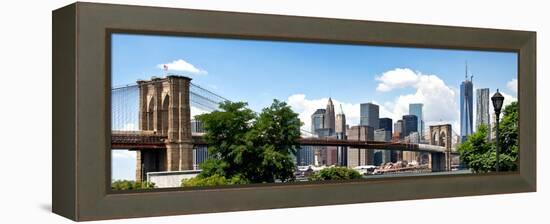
(416, 109)
(323, 125)
(329, 154)
(482, 108)
(386, 124)
(305, 155)
(466, 106)
(382, 156)
(329, 116)
(318, 120)
(384, 134)
(410, 156)
(312, 155)
(340, 123)
(360, 157)
(410, 124)
(340, 129)
(397, 155)
(369, 115)
(398, 130)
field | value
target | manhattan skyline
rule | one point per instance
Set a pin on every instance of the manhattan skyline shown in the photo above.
(391, 77)
(305, 75)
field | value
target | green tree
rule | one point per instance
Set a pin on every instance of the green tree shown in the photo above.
(247, 147)
(275, 138)
(226, 135)
(335, 173)
(131, 185)
(477, 151)
(508, 138)
(480, 154)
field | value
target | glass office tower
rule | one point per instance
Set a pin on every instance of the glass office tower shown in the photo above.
(416, 109)
(466, 109)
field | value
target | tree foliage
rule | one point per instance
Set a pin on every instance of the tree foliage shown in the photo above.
(508, 132)
(131, 185)
(480, 154)
(477, 152)
(275, 138)
(214, 180)
(335, 173)
(249, 147)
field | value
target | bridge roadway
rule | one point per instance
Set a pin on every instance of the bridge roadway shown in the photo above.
(151, 140)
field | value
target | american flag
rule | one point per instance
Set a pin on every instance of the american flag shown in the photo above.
(165, 67)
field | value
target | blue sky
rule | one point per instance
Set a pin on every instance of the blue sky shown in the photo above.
(252, 65)
(306, 74)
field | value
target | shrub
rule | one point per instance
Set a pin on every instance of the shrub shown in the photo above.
(335, 173)
(214, 180)
(131, 185)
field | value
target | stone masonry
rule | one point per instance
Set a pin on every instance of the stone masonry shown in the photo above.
(164, 109)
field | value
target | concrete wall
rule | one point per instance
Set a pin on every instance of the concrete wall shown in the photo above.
(170, 178)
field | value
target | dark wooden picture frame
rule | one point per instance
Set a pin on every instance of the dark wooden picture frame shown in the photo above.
(81, 110)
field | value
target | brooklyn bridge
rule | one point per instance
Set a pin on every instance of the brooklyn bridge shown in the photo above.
(153, 118)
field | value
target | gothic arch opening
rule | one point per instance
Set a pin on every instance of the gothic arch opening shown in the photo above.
(164, 114)
(151, 114)
(424, 158)
(435, 138)
(443, 140)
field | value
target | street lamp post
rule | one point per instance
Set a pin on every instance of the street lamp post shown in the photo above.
(497, 99)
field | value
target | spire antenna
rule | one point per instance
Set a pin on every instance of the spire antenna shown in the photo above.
(466, 71)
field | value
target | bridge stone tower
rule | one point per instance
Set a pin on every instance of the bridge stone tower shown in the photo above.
(441, 135)
(164, 109)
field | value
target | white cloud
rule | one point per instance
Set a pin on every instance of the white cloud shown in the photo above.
(397, 78)
(439, 99)
(513, 85)
(182, 66)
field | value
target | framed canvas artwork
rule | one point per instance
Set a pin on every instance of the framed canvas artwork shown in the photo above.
(203, 111)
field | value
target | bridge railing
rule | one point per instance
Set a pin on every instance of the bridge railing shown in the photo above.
(141, 133)
(136, 139)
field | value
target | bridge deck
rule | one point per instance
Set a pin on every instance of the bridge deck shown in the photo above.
(151, 140)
